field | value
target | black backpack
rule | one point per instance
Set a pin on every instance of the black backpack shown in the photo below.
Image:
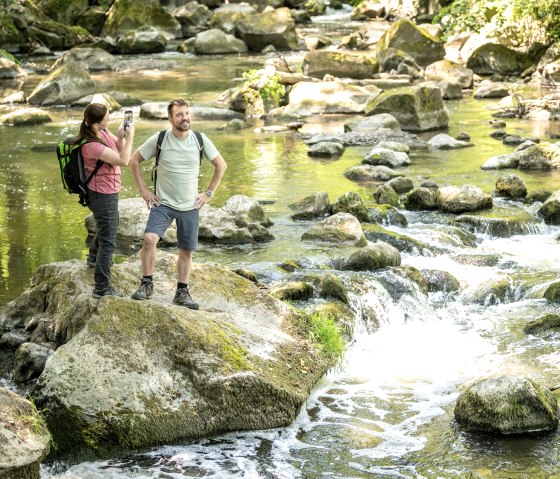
(72, 168)
(161, 137)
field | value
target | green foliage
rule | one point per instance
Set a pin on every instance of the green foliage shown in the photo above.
(269, 86)
(518, 19)
(323, 331)
(36, 420)
(9, 56)
(355, 3)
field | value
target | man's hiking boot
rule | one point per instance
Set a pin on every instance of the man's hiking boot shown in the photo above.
(91, 260)
(183, 298)
(145, 290)
(109, 291)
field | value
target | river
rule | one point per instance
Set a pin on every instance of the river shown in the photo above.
(387, 410)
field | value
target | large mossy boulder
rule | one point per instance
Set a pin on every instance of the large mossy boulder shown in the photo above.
(25, 117)
(339, 63)
(339, 228)
(507, 405)
(543, 324)
(351, 202)
(493, 58)
(145, 40)
(132, 373)
(371, 257)
(417, 42)
(126, 16)
(24, 438)
(317, 98)
(65, 12)
(415, 108)
(312, 206)
(64, 85)
(552, 293)
(276, 28)
(550, 210)
(511, 186)
(543, 156)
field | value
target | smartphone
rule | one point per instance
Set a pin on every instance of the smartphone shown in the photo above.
(127, 118)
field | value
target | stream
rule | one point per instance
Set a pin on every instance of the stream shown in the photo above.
(387, 410)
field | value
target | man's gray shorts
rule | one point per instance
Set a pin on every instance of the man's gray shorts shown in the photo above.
(187, 224)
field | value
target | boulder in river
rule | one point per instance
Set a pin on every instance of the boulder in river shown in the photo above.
(312, 206)
(406, 36)
(64, 85)
(132, 373)
(458, 199)
(342, 64)
(24, 438)
(550, 210)
(94, 58)
(25, 117)
(338, 228)
(276, 28)
(215, 41)
(415, 108)
(371, 257)
(507, 405)
(449, 71)
(492, 58)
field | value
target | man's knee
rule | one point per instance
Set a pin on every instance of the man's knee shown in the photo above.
(151, 240)
(186, 253)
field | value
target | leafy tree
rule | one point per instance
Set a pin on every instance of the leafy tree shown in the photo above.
(522, 21)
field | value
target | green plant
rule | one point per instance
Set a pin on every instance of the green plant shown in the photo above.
(36, 420)
(269, 86)
(9, 56)
(323, 331)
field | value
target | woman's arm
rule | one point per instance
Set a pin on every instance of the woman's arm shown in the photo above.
(122, 157)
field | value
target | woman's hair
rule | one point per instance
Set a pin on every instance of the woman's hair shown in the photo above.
(94, 113)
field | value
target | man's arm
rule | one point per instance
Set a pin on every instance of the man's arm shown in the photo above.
(149, 197)
(220, 167)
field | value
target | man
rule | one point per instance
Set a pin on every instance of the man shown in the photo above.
(176, 197)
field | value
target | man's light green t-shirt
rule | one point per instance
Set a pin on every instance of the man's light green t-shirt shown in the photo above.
(178, 167)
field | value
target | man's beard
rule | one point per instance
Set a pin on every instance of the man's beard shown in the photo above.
(184, 126)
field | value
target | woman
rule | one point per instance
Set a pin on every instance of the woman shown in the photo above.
(103, 189)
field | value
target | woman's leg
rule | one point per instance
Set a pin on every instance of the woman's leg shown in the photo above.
(105, 210)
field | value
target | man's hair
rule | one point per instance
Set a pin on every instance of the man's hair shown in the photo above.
(173, 103)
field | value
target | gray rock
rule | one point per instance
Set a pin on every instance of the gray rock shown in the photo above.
(142, 41)
(416, 108)
(94, 58)
(375, 122)
(371, 173)
(450, 90)
(550, 210)
(312, 206)
(326, 149)
(401, 184)
(440, 281)
(64, 85)
(24, 439)
(147, 373)
(385, 195)
(492, 90)
(371, 257)
(421, 199)
(493, 58)
(544, 156)
(16, 97)
(507, 405)
(442, 141)
(13, 339)
(293, 291)
(509, 160)
(276, 28)
(29, 361)
(351, 202)
(386, 157)
(214, 42)
(446, 70)
(341, 64)
(511, 186)
(339, 228)
(10, 70)
(458, 199)
(315, 98)
(25, 117)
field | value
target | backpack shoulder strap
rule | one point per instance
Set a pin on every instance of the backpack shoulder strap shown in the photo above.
(160, 139)
(200, 143)
(98, 164)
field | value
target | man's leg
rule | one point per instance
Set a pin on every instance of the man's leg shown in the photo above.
(158, 222)
(184, 265)
(149, 253)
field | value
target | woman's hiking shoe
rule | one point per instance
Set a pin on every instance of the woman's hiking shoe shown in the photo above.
(183, 298)
(109, 291)
(91, 260)
(145, 290)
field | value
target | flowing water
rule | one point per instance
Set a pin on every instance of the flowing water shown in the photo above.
(387, 410)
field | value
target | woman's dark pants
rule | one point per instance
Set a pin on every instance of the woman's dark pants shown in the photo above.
(105, 209)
